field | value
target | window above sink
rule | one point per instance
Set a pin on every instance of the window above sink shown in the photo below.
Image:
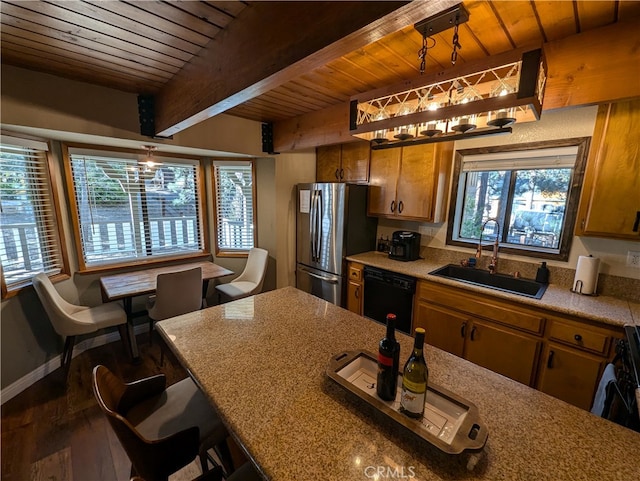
(531, 189)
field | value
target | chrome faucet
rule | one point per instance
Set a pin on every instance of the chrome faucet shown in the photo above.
(493, 265)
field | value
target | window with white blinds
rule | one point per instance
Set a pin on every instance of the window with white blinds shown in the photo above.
(235, 197)
(127, 210)
(30, 242)
(523, 196)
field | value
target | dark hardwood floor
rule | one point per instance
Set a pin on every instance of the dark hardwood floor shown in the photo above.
(55, 431)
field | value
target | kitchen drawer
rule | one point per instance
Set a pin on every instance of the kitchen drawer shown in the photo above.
(579, 336)
(489, 308)
(355, 272)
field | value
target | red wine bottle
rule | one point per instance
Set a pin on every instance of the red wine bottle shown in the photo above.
(388, 362)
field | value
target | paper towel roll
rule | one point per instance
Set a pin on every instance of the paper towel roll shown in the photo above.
(586, 278)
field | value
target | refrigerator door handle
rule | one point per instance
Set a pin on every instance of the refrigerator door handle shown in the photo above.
(330, 280)
(312, 226)
(319, 226)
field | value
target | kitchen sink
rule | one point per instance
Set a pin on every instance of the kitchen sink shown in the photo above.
(500, 282)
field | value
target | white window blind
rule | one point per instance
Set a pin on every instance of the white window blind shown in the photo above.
(127, 211)
(555, 158)
(235, 220)
(30, 242)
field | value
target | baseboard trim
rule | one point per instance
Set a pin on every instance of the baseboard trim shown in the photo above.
(52, 364)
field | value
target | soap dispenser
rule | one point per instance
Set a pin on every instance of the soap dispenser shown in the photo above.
(542, 275)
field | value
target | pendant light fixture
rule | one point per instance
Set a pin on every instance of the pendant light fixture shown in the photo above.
(474, 99)
(149, 161)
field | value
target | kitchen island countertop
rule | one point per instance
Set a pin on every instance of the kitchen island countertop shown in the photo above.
(262, 360)
(601, 309)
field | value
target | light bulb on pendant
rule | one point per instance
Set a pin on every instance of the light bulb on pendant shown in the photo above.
(404, 131)
(380, 135)
(149, 161)
(465, 123)
(502, 117)
(434, 127)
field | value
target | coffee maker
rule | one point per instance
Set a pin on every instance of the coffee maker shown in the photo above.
(405, 246)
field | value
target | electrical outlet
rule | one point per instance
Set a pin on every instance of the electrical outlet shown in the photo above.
(633, 259)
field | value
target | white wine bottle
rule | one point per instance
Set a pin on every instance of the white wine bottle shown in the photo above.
(414, 380)
(388, 362)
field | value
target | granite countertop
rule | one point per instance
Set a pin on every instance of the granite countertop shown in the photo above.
(262, 363)
(601, 309)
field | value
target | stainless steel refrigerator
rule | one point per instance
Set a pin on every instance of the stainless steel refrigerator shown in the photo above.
(332, 223)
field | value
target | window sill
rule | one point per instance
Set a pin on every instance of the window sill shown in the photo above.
(146, 263)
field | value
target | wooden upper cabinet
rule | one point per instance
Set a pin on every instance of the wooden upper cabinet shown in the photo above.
(343, 162)
(410, 182)
(383, 176)
(610, 199)
(328, 163)
(355, 162)
(415, 189)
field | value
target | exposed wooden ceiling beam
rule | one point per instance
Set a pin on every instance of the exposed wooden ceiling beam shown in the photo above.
(581, 71)
(277, 41)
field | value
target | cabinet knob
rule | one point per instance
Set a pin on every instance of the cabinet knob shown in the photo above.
(341, 174)
(393, 206)
(337, 174)
(463, 329)
(473, 333)
(400, 207)
(636, 224)
(578, 337)
(357, 293)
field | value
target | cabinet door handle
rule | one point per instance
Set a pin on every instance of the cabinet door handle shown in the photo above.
(400, 207)
(341, 174)
(357, 294)
(578, 337)
(463, 329)
(393, 206)
(473, 333)
(550, 359)
(337, 174)
(636, 224)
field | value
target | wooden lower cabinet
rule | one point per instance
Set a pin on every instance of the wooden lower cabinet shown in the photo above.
(503, 351)
(500, 349)
(355, 288)
(563, 356)
(445, 329)
(570, 375)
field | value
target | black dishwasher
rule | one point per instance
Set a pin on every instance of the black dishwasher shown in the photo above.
(385, 292)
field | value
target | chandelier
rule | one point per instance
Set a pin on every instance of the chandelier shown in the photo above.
(477, 98)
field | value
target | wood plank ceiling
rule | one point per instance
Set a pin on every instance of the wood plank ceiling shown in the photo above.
(139, 46)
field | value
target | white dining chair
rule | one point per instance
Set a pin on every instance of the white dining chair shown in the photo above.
(70, 320)
(176, 293)
(250, 281)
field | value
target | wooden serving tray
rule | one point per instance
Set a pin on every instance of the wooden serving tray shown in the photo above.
(450, 422)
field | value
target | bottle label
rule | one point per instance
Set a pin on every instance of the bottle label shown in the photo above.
(416, 387)
(385, 360)
(412, 401)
